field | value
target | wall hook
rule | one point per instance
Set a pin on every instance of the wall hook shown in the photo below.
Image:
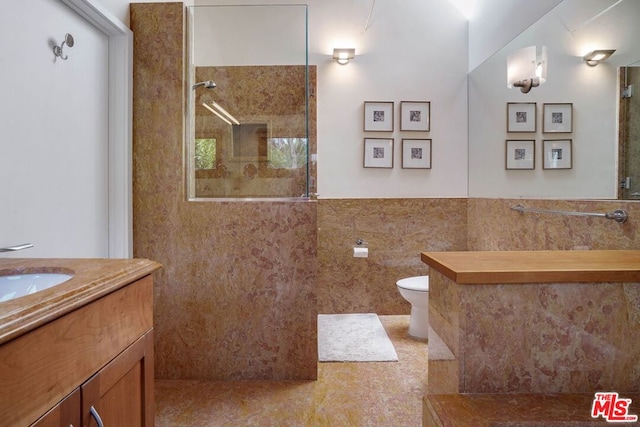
(57, 50)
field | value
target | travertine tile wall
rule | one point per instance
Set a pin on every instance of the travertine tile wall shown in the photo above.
(494, 226)
(237, 296)
(397, 231)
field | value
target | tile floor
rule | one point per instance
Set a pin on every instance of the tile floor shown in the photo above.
(345, 394)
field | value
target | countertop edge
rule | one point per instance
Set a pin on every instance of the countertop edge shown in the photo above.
(56, 303)
(521, 267)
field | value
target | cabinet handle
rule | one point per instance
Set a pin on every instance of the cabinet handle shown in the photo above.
(96, 416)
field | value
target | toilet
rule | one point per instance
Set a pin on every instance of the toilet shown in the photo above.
(416, 291)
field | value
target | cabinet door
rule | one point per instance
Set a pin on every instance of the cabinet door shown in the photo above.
(64, 414)
(121, 393)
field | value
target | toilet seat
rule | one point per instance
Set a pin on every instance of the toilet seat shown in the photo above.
(416, 283)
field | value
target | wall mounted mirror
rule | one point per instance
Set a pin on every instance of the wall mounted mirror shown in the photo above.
(569, 31)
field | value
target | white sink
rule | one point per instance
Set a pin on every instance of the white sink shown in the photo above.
(19, 285)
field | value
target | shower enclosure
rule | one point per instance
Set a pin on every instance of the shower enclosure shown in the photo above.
(250, 116)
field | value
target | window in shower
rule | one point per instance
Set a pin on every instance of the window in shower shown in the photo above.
(251, 134)
(205, 154)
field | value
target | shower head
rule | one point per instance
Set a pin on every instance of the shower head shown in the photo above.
(207, 84)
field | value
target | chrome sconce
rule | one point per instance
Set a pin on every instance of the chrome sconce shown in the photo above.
(526, 68)
(343, 55)
(595, 57)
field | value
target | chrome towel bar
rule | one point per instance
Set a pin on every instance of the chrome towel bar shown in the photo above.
(618, 215)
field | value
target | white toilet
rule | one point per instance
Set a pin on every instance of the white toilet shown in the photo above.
(416, 291)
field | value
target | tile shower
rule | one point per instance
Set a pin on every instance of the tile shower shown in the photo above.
(225, 310)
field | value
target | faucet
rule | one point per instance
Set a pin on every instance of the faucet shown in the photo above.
(17, 247)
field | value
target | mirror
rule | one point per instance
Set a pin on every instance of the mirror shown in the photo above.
(569, 31)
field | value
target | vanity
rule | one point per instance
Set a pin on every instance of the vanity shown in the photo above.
(533, 324)
(81, 350)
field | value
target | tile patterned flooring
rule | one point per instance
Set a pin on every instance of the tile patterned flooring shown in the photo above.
(345, 394)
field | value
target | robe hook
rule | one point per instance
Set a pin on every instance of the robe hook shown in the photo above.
(57, 50)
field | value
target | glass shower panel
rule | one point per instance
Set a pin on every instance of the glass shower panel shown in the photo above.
(248, 103)
(629, 134)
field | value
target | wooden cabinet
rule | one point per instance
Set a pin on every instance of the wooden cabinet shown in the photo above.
(64, 414)
(99, 356)
(120, 394)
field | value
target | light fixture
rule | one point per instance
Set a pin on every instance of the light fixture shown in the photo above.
(597, 56)
(343, 55)
(221, 112)
(526, 68)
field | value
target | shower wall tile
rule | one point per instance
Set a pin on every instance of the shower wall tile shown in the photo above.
(236, 298)
(397, 231)
(494, 226)
(282, 108)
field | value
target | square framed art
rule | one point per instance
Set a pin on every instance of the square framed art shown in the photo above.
(520, 154)
(415, 116)
(378, 152)
(521, 116)
(557, 154)
(378, 116)
(416, 154)
(557, 118)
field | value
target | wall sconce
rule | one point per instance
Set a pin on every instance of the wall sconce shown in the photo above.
(343, 55)
(597, 56)
(527, 69)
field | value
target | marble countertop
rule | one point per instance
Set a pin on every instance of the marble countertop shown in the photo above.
(92, 279)
(502, 267)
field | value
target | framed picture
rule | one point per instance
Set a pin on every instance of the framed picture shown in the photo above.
(378, 152)
(415, 116)
(416, 154)
(521, 116)
(378, 116)
(557, 118)
(520, 154)
(556, 154)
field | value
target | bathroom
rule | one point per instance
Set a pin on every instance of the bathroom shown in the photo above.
(210, 283)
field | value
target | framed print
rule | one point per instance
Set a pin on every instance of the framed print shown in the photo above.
(556, 154)
(521, 116)
(416, 154)
(378, 116)
(378, 152)
(415, 116)
(520, 154)
(557, 118)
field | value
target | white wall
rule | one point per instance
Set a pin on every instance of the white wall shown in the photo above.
(495, 23)
(54, 143)
(412, 50)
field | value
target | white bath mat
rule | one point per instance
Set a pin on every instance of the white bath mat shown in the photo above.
(353, 338)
